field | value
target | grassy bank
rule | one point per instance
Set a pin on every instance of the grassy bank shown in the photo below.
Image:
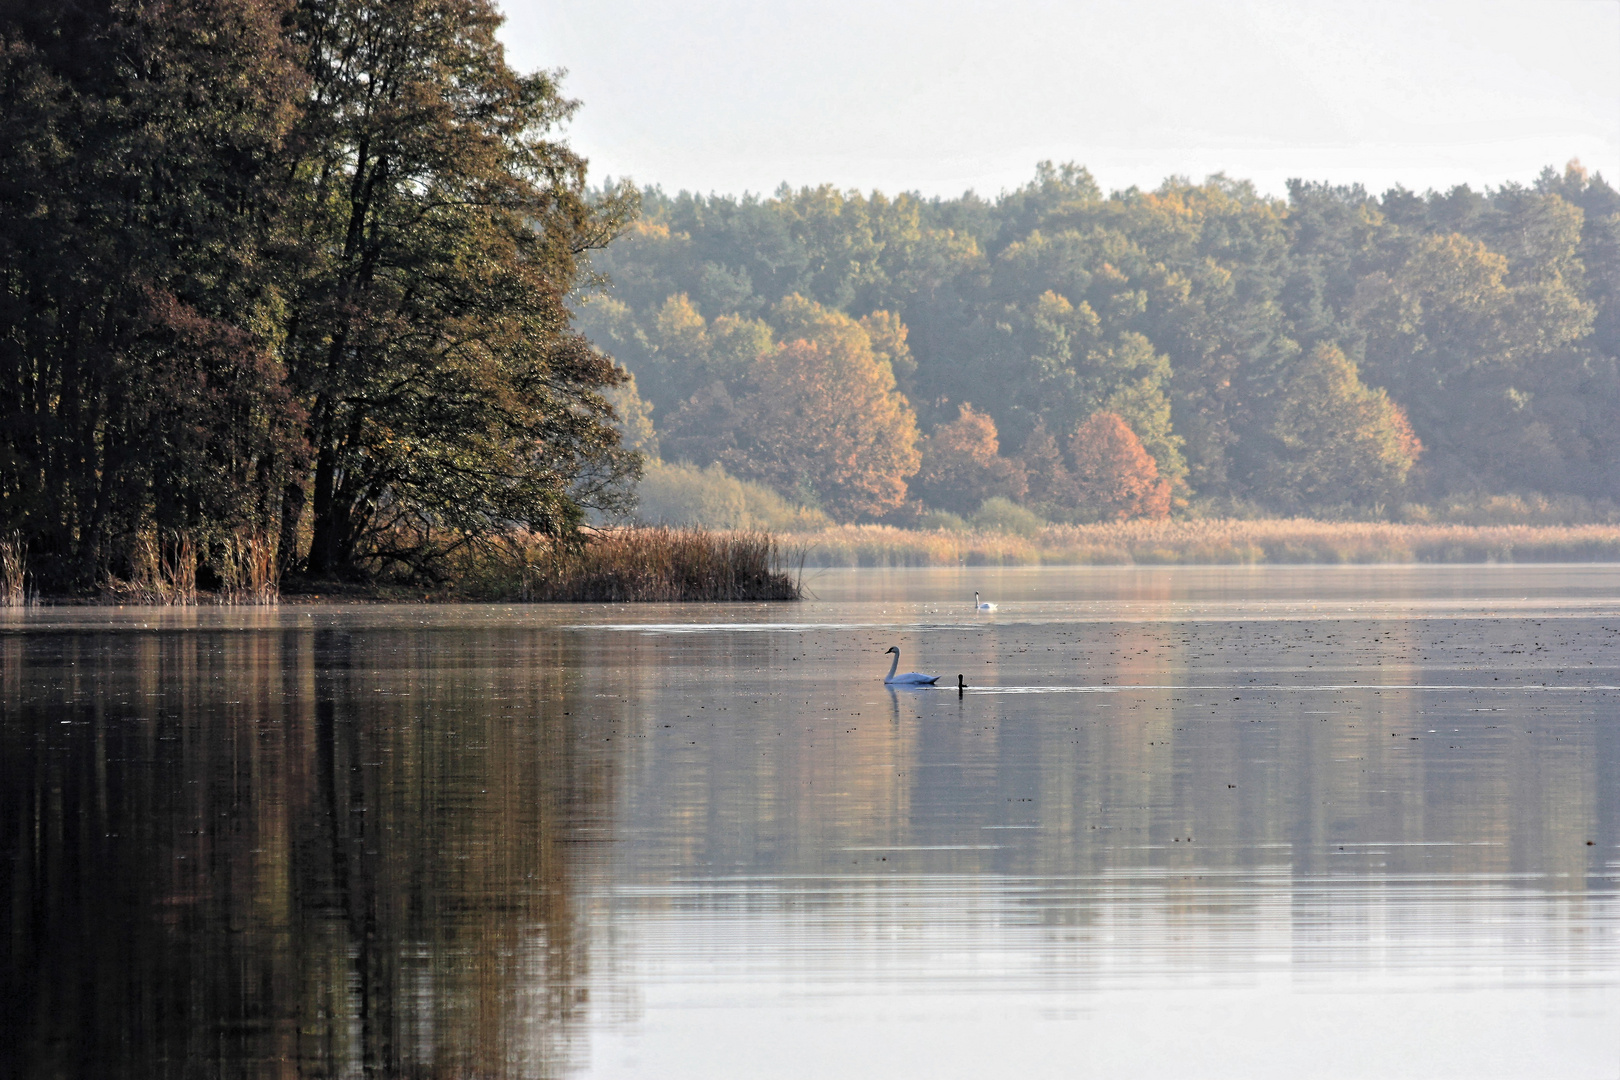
(1210, 541)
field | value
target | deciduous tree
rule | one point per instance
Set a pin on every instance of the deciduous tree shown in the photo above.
(440, 224)
(1114, 476)
(1342, 442)
(141, 147)
(962, 465)
(817, 416)
(827, 423)
(1051, 487)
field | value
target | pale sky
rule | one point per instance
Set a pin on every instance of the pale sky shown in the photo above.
(938, 97)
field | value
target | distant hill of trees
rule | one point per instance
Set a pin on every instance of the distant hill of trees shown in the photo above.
(1332, 351)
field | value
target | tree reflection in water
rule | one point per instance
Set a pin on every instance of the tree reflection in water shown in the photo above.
(292, 853)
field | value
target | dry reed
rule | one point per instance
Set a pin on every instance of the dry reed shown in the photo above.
(1211, 541)
(249, 571)
(653, 564)
(163, 570)
(13, 571)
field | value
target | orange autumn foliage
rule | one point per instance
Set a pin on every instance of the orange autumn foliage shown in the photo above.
(1114, 476)
(823, 417)
(962, 464)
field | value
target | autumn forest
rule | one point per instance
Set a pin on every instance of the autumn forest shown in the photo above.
(318, 289)
(1198, 349)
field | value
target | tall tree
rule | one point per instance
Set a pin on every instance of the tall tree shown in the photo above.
(817, 416)
(1341, 441)
(1051, 488)
(827, 426)
(439, 225)
(1491, 315)
(141, 147)
(1468, 346)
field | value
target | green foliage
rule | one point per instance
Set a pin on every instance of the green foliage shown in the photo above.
(800, 401)
(685, 495)
(441, 228)
(1340, 441)
(997, 514)
(296, 269)
(1530, 509)
(940, 520)
(297, 274)
(1491, 319)
(141, 147)
(674, 351)
(634, 419)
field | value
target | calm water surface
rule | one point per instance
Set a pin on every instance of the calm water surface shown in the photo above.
(1274, 822)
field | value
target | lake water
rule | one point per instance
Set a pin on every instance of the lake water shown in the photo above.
(1245, 822)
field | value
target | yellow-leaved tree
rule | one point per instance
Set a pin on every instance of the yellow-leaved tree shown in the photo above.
(1340, 440)
(816, 415)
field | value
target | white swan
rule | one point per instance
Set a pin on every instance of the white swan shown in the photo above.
(910, 678)
(984, 606)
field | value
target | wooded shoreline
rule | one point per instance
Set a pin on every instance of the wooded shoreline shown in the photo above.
(642, 564)
(612, 565)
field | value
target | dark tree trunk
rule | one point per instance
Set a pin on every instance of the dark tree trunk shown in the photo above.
(326, 556)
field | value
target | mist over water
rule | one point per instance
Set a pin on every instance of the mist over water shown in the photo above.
(1184, 822)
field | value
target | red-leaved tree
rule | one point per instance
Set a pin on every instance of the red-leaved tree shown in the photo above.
(1114, 476)
(962, 464)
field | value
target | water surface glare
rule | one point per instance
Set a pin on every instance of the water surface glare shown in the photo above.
(1184, 822)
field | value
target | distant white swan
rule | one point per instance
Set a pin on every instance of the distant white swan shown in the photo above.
(910, 678)
(982, 606)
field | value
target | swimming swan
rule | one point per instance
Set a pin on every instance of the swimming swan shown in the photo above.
(910, 678)
(984, 606)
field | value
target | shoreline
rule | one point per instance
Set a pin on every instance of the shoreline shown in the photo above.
(1209, 542)
(1189, 543)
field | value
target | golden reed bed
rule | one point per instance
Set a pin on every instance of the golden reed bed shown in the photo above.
(641, 563)
(1208, 541)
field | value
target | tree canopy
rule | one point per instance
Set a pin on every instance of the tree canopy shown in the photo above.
(322, 275)
(1114, 476)
(1472, 338)
(800, 400)
(297, 268)
(962, 465)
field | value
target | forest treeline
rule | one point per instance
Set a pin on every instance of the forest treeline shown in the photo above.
(283, 287)
(1101, 356)
(315, 287)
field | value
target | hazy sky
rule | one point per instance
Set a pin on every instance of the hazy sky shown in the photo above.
(942, 96)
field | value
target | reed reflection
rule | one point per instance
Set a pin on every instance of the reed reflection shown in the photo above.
(294, 854)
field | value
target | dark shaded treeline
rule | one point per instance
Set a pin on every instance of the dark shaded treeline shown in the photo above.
(311, 853)
(290, 271)
(1254, 344)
